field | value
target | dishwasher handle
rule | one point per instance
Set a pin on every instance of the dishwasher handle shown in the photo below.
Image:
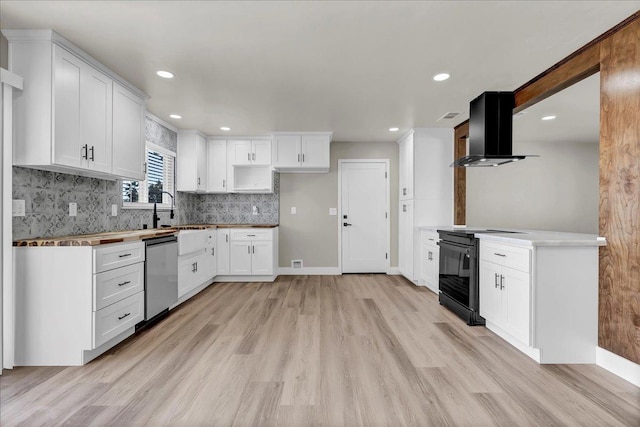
(161, 240)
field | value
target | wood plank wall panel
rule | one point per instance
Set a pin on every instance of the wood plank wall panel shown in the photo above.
(619, 302)
(461, 133)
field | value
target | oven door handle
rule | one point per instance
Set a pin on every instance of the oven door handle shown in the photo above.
(454, 247)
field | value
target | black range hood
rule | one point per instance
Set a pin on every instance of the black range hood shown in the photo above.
(490, 131)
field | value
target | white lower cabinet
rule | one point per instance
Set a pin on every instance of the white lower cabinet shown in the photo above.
(117, 318)
(252, 251)
(405, 239)
(429, 260)
(542, 299)
(189, 276)
(505, 300)
(240, 258)
(75, 302)
(222, 245)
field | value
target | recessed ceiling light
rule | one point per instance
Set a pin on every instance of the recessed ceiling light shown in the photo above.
(394, 129)
(548, 117)
(483, 160)
(165, 74)
(441, 77)
(175, 116)
(225, 128)
(495, 165)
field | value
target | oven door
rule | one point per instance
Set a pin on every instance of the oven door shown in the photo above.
(456, 271)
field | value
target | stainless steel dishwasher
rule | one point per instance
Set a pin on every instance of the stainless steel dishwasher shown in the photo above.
(161, 275)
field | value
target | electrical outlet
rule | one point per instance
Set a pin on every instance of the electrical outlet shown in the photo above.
(73, 209)
(17, 208)
(333, 211)
(293, 210)
(114, 210)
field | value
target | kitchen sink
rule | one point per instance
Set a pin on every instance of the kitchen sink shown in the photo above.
(192, 240)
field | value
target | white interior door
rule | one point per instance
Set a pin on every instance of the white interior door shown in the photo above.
(364, 216)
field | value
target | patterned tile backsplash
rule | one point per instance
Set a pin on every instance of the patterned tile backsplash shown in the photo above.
(235, 208)
(47, 196)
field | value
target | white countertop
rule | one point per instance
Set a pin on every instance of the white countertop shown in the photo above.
(530, 237)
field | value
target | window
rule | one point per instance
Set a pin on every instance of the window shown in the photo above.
(160, 179)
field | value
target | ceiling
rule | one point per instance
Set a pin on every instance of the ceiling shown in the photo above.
(354, 68)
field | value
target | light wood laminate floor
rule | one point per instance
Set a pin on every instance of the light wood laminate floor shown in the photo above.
(316, 351)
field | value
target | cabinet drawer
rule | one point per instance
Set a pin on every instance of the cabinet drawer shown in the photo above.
(430, 238)
(111, 321)
(514, 257)
(114, 285)
(108, 257)
(251, 234)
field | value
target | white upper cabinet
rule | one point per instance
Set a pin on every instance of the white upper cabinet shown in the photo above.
(96, 101)
(71, 117)
(217, 165)
(67, 149)
(128, 134)
(191, 161)
(287, 151)
(301, 152)
(250, 152)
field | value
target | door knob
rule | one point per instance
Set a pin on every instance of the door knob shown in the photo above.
(346, 224)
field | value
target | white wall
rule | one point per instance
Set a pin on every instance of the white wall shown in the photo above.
(311, 234)
(557, 191)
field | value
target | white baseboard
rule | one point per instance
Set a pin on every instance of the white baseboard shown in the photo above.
(533, 353)
(624, 368)
(309, 271)
(393, 271)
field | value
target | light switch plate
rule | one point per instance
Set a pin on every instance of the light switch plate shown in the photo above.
(114, 210)
(293, 210)
(17, 208)
(333, 211)
(73, 209)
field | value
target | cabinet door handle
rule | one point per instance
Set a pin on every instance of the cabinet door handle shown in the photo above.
(124, 255)
(224, 183)
(123, 316)
(249, 156)
(404, 208)
(298, 158)
(253, 156)
(249, 249)
(404, 191)
(144, 166)
(496, 280)
(124, 283)
(303, 158)
(502, 255)
(501, 282)
(193, 267)
(226, 238)
(253, 249)
(85, 149)
(92, 149)
(213, 251)
(430, 257)
(196, 267)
